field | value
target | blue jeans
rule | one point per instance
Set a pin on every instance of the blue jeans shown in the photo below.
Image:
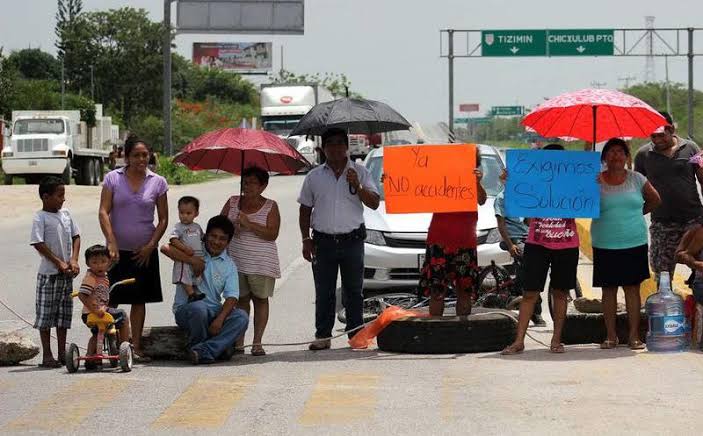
(346, 256)
(195, 318)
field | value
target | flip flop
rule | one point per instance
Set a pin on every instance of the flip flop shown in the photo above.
(636, 345)
(50, 364)
(511, 350)
(258, 351)
(609, 345)
(557, 349)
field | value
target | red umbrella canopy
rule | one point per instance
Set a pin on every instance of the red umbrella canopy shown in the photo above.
(234, 149)
(594, 115)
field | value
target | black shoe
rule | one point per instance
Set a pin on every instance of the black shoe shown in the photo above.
(197, 296)
(538, 321)
(320, 344)
(194, 357)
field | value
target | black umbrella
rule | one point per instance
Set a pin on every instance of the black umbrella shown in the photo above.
(354, 115)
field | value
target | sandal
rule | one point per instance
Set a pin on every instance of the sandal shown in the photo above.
(557, 349)
(636, 345)
(512, 350)
(258, 351)
(609, 345)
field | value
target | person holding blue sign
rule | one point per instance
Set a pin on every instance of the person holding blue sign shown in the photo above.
(514, 231)
(551, 243)
(619, 239)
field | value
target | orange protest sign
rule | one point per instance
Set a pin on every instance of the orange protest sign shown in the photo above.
(430, 178)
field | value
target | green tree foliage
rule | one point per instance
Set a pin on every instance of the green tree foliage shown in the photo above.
(337, 83)
(654, 94)
(32, 63)
(123, 48)
(67, 11)
(192, 83)
(8, 77)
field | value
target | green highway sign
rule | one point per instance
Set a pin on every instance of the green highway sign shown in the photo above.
(507, 110)
(461, 120)
(580, 42)
(513, 43)
(548, 42)
(480, 120)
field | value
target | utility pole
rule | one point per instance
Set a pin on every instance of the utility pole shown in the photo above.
(690, 82)
(92, 82)
(450, 59)
(668, 88)
(627, 80)
(168, 146)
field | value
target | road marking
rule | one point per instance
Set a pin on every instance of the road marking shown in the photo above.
(341, 399)
(448, 392)
(67, 409)
(206, 404)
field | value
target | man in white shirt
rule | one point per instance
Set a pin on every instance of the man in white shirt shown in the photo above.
(332, 202)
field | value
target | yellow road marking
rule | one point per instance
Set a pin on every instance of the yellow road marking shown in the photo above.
(206, 404)
(341, 398)
(66, 409)
(448, 392)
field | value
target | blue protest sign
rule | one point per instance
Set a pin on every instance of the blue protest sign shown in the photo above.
(552, 184)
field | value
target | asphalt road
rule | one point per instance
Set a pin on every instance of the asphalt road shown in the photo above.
(294, 391)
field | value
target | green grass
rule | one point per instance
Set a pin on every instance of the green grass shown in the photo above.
(180, 175)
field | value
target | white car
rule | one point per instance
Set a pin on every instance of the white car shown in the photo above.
(395, 243)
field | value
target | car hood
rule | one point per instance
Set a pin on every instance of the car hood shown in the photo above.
(419, 222)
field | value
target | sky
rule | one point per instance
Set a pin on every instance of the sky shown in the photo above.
(390, 49)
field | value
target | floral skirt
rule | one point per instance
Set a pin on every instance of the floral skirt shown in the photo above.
(444, 268)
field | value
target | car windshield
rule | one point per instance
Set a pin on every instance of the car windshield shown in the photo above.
(490, 165)
(280, 125)
(24, 127)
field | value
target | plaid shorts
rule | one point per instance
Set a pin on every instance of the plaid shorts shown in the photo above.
(665, 237)
(54, 303)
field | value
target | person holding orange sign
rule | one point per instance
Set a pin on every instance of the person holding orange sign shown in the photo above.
(450, 257)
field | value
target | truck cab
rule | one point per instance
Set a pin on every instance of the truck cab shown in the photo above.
(38, 146)
(47, 142)
(282, 106)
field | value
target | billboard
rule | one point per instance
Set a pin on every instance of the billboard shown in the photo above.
(238, 57)
(241, 16)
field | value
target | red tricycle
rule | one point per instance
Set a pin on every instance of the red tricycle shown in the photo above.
(104, 326)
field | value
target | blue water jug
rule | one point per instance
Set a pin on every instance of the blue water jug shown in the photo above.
(668, 329)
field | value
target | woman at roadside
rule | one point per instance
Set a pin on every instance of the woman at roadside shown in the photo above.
(551, 243)
(450, 257)
(619, 239)
(130, 195)
(253, 249)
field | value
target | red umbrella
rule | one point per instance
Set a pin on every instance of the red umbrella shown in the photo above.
(234, 149)
(594, 115)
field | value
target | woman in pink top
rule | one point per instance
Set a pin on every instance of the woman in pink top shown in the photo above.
(253, 249)
(129, 199)
(551, 242)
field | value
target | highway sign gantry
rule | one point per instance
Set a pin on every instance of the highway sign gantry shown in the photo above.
(547, 42)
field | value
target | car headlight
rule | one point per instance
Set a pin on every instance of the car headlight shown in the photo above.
(488, 236)
(374, 237)
(306, 150)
